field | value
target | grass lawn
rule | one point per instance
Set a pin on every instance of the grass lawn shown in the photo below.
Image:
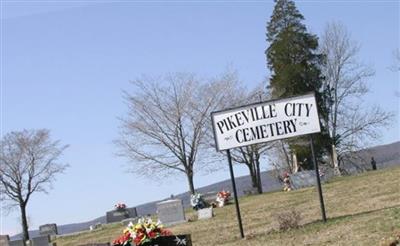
(361, 210)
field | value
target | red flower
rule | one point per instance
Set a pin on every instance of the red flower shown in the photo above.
(152, 234)
(122, 239)
(166, 233)
(138, 239)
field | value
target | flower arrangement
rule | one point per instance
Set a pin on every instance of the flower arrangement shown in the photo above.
(141, 233)
(287, 186)
(120, 206)
(223, 197)
(197, 202)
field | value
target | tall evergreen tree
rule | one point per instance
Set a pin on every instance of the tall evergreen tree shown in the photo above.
(295, 65)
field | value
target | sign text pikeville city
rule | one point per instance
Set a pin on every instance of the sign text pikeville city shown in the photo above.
(265, 122)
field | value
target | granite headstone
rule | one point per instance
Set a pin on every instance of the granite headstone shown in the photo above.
(120, 214)
(302, 179)
(176, 240)
(132, 212)
(117, 215)
(16, 243)
(48, 229)
(40, 241)
(4, 239)
(171, 212)
(95, 244)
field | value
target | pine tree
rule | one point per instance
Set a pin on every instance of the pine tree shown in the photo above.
(295, 65)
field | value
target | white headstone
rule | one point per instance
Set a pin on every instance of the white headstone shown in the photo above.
(205, 213)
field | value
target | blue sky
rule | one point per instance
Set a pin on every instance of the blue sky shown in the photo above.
(65, 64)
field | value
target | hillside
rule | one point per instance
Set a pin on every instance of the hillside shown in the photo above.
(386, 156)
(361, 210)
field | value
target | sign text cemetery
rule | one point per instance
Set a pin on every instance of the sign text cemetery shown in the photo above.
(265, 121)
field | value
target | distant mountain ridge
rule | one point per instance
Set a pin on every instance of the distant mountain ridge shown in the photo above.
(385, 155)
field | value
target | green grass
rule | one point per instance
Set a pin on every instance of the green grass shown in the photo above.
(361, 210)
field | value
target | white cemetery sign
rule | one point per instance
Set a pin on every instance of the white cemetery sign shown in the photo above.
(265, 121)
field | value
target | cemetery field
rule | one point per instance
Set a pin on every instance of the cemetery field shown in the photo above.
(361, 210)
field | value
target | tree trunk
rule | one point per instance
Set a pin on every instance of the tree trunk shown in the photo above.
(24, 222)
(252, 175)
(335, 162)
(190, 182)
(259, 184)
(295, 167)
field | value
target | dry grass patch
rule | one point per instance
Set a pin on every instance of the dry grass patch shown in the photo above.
(361, 210)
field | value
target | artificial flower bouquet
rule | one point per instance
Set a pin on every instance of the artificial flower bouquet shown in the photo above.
(141, 233)
(223, 198)
(287, 186)
(197, 202)
(120, 206)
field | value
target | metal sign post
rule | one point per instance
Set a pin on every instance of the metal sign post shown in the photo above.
(263, 122)
(235, 193)
(321, 198)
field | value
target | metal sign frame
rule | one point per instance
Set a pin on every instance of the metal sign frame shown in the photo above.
(318, 181)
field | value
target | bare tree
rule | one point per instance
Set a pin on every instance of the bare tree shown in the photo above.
(280, 158)
(28, 164)
(165, 129)
(349, 125)
(251, 155)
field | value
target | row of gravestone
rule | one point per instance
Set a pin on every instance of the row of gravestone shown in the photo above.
(172, 212)
(37, 241)
(169, 212)
(46, 232)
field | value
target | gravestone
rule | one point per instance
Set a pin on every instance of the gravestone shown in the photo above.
(171, 212)
(48, 229)
(176, 240)
(4, 239)
(302, 179)
(210, 197)
(95, 244)
(117, 215)
(40, 241)
(16, 243)
(120, 214)
(205, 213)
(132, 212)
